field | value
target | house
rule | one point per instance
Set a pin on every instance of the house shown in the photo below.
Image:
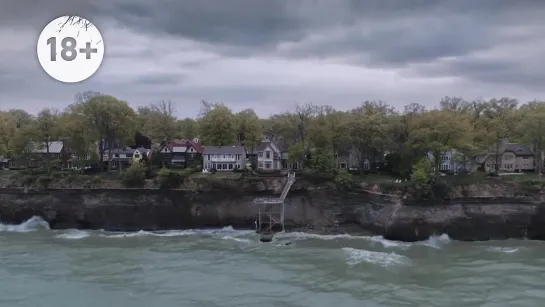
(57, 153)
(269, 156)
(182, 153)
(224, 158)
(4, 162)
(453, 161)
(123, 157)
(509, 157)
(350, 161)
(283, 147)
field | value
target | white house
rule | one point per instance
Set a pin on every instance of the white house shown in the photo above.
(452, 161)
(224, 158)
(268, 156)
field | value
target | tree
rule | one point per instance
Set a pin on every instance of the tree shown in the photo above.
(249, 129)
(436, 132)
(217, 124)
(112, 121)
(45, 131)
(74, 128)
(531, 128)
(300, 127)
(187, 128)
(160, 124)
(368, 129)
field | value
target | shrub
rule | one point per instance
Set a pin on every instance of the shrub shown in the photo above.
(344, 181)
(45, 180)
(96, 180)
(134, 176)
(169, 179)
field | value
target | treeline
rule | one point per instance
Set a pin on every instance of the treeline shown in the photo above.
(369, 130)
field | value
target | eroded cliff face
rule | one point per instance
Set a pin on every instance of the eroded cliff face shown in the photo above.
(473, 213)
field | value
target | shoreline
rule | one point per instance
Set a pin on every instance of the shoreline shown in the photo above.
(471, 213)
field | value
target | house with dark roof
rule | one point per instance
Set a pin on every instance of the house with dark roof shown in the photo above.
(283, 146)
(55, 151)
(509, 157)
(269, 156)
(224, 158)
(123, 157)
(182, 153)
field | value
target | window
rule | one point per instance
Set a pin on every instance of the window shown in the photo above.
(268, 154)
(268, 165)
(230, 166)
(261, 155)
(260, 165)
(238, 157)
(137, 156)
(225, 166)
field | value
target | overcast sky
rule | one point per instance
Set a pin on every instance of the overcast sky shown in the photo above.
(270, 54)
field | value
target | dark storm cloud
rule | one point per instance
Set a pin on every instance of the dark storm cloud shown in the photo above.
(275, 53)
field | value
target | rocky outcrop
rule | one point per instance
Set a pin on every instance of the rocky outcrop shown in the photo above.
(492, 213)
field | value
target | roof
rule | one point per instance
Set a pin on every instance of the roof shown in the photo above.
(124, 150)
(262, 146)
(229, 150)
(281, 144)
(518, 149)
(55, 147)
(3, 159)
(185, 143)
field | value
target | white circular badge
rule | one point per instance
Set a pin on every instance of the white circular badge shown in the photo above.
(69, 51)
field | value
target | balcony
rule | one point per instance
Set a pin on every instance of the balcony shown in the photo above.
(221, 159)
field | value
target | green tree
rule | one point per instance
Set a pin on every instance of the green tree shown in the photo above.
(46, 130)
(531, 128)
(187, 128)
(160, 124)
(436, 132)
(368, 130)
(111, 120)
(217, 124)
(249, 129)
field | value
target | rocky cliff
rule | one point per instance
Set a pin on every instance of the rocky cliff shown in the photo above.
(472, 213)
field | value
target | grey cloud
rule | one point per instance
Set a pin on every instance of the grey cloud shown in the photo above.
(184, 50)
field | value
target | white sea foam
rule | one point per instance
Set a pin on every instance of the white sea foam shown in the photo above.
(507, 250)
(357, 256)
(436, 241)
(433, 242)
(226, 231)
(74, 234)
(32, 224)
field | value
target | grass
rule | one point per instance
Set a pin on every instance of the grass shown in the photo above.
(218, 175)
(375, 178)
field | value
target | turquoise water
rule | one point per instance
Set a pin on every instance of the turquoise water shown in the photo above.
(42, 267)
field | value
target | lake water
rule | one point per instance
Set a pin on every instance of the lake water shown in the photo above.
(208, 268)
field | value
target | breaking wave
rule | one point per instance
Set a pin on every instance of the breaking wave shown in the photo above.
(434, 241)
(74, 234)
(226, 233)
(356, 256)
(32, 224)
(507, 250)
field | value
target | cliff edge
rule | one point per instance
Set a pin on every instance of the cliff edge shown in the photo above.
(471, 212)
